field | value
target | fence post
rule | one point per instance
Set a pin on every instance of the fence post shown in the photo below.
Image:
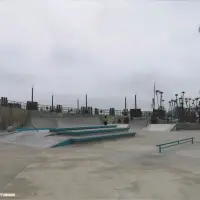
(192, 140)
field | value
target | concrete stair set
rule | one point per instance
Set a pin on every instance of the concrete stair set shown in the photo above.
(89, 133)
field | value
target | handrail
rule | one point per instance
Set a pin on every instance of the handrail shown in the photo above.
(174, 143)
(34, 127)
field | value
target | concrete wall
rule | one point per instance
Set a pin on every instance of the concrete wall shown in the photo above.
(12, 117)
(187, 126)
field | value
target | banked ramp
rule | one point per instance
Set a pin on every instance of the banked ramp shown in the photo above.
(48, 120)
(159, 127)
(33, 138)
(138, 124)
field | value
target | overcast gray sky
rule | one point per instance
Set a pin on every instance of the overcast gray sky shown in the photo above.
(109, 49)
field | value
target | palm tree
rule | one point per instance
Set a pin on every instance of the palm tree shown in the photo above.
(189, 101)
(161, 100)
(193, 100)
(196, 99)
(176, 99)
(186, 101)
(157, 91)
(180, 101)
(183, 94)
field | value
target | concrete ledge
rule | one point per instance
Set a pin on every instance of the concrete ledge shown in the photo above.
(93, 131)
(81, 128)
(93, 138)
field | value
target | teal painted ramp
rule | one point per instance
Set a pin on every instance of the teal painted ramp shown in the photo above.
(93, 138)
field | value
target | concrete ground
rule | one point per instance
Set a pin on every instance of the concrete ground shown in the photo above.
(124, 169)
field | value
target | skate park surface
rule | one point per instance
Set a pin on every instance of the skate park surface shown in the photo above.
(122, 169)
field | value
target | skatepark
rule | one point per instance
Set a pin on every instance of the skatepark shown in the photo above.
(124, 168)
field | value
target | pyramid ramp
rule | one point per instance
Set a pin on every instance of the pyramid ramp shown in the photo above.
(159, 127)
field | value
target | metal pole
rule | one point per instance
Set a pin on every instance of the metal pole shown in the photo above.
(125, 103)
(32, 95)
(159, 149)
(135, 102)
(154, 95)
(52, 102)
(78, 104)
(86, 105)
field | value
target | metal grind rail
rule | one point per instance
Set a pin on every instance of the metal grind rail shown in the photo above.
(174, 143)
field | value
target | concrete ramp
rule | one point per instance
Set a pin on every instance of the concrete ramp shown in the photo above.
(138, 124)
(48, 120)
(33, 138)
(74, 121)
(159, 127)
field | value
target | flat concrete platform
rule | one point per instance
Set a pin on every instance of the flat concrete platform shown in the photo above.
(125, 169)
(14, 159)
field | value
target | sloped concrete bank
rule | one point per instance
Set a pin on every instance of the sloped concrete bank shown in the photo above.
(15, 117)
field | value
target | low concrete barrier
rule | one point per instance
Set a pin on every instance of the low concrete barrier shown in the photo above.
(187, 126)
